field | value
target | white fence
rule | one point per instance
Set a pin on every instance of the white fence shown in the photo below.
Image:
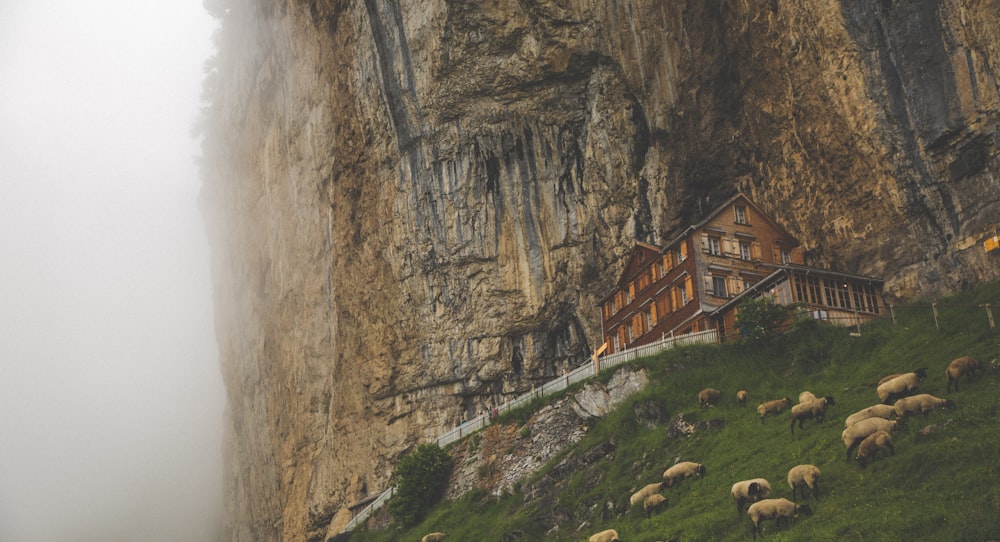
(582, 372)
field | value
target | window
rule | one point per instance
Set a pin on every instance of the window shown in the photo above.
(719, 286)
(786, 256)
(663, 305)
(643, 280)
(616, 344)
(741, 214)
(680, 253)
(745, 250)
(814, 293)
(650, 319)
(714, 245)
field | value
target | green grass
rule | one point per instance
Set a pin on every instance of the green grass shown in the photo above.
(938, 486)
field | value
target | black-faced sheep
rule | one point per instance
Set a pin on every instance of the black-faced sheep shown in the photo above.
(682, 470)
(874, 411)
(741, 397)
(900, 386)
(875, 442)
(813, 409)
(964, 365)
(776, 509)
(920, 404)
(708, 397)
(433, 537)
(853, 435)
(772, 407)
(749, 491)
(640, 496)
(654, 503)
(804, 476)
(609, 535)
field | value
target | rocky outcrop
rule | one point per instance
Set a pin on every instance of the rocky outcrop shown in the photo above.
(413, 206)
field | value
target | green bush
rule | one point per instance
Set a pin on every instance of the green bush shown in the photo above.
(421, 478)
(761, 317)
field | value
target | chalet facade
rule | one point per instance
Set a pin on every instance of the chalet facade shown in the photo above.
(696, 281)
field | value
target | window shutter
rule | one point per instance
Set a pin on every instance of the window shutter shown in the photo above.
(798, 256)
(755, 252)
(652, 312)
(631, 291)
(735, 285)
(707, 279)
(689, 287)
(684, 250)
(775, 254)
(704, 242)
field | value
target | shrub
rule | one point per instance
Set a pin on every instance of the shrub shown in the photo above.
(421, 478)
(761, 317)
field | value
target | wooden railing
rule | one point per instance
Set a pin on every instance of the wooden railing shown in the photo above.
(581, 373)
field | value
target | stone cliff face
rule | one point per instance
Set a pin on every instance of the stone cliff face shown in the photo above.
(414, 205)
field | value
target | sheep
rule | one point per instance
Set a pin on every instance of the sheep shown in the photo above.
(646, 491)
(887, 378)
(806, 397)
(749, 491)
(433, 537)
(804, 476)
(772, 407)
(874, 411)
(900, 386)
(741, 397)
(813, 409)
(853, 435)
(708, 397)
(776, 509)
(682, 470)
(922, 404)
(879, 440)
(654, 503)
(609, 535)
(964, 365)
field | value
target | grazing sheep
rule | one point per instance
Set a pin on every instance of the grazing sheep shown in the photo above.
(646, 491)
(741, 397)
(610, 535)
(806, 397)
(853, 435)
(749, 491)
(433, 537)
(682, 470)
(964, 365)
(708, 397)
(874, 411)
(654, 503)
(804, 476)
(772, 407)
(776, 509)
(900, 386)
(877, 441)
(813, 409)
(887, 378)
(920, 404)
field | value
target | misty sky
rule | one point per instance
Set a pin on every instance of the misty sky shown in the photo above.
(111, 399)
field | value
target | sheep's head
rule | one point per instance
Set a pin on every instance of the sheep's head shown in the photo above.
(921, 373)
(803, 509)
(701, 470)
(948, 403)
(753, 489)
(829, 400)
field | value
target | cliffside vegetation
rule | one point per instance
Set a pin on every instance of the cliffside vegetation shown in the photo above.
(941, 484)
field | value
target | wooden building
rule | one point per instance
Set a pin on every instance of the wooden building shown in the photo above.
(696, 281)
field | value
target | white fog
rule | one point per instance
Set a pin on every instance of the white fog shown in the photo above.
(111, 398)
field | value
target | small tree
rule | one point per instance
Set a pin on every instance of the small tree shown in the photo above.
(421, 478)
(757, 318)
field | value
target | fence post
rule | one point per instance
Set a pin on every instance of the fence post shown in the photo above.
(893, 313)
(934, 308)
(989, 315)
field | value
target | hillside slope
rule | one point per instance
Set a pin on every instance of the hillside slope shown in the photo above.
(941, 484)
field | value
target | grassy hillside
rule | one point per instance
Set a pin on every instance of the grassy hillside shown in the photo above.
(942, 483)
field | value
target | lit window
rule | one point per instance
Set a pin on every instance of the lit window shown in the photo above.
(786, 256)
